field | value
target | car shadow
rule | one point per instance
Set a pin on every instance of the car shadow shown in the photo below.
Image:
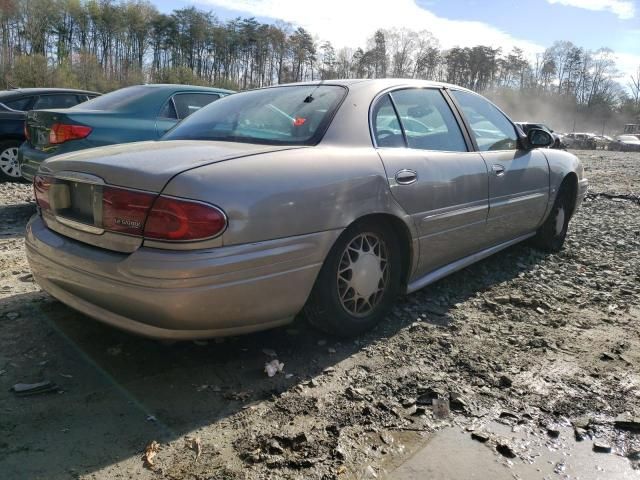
(117, 392)
(13, 219)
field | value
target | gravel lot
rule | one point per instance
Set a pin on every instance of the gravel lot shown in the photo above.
(545, 346)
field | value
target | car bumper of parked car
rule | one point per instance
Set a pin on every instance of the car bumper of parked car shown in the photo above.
(583, 187)
(180, 294)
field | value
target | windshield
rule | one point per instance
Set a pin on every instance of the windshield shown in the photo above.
(628, 138)
(116, 100)
(289, 115)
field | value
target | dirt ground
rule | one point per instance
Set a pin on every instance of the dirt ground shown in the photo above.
(547, 345)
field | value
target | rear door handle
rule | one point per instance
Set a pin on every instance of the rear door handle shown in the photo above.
(406, 177)
(498, 169)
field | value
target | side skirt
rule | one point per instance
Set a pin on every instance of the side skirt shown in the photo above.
(442, 272)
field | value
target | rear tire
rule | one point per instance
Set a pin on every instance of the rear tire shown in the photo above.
(359, 281)
(9, 168)
(551, 235)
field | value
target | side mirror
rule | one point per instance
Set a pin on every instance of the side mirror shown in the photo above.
(538, 138)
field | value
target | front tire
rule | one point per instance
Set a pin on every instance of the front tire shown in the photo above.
(9, 168)
(359, 281)
(551, 235)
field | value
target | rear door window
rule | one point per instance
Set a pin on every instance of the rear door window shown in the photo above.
(188, 103)
(56, 101)
(427, 120)
(491, 128)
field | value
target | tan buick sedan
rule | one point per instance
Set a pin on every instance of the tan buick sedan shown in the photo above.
(331, 198)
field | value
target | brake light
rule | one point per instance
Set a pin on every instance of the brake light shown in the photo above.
(41, 186)
(61, 132)
(177, 219)
(159, 217)
(124, 211)
(27, 134)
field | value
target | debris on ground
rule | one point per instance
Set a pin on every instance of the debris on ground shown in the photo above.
(26, 389)
(273, 367)
(195, 444)
(150, 452)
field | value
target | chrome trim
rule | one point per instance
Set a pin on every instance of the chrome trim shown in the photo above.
(411, 176)
(442, 272)
(83, 227)
(456, 210)
(79, 177)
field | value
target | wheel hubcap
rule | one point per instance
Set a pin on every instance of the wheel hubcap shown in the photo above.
(363, 274)
(9, 162)
(559, 221)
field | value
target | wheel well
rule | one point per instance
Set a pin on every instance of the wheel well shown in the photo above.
(569, 186)
(400, 229)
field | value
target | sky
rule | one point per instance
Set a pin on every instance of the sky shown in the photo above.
(531, 25)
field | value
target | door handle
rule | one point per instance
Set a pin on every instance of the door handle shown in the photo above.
(406, 177)
(498, 169)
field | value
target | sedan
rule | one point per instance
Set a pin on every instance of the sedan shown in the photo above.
(311, 196)
(13, 107)
(141, 112)
(625, 143)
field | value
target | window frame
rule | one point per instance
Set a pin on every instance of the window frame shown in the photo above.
(172, 101)
(470, 145)
(519, 137)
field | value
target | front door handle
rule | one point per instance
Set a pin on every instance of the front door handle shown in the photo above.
(498, 169)
(406, 177)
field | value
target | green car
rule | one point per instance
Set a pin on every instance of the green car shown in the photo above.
(131, 114)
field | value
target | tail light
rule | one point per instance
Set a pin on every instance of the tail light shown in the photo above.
(27, 134)
(124, 211)
(176, 219)
(61, 132)
(41, 187)
(145, 214)
(159, 217)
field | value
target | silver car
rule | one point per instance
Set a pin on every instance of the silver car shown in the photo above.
(330, 197)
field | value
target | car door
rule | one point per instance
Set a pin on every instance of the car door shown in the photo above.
(518, 178)
(432, 173)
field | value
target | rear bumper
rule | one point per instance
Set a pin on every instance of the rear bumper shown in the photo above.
(29, 160)
(180, 294)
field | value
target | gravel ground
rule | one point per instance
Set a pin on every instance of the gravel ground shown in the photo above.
(546, 344)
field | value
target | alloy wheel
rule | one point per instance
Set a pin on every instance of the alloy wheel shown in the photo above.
(9, 162)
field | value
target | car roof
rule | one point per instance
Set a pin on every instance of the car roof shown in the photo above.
(381, 83)
(41, 91)
(178, 86)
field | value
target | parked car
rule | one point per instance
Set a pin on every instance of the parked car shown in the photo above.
(625, 143)
(13, 107)
(526, 126)
(603, 141)
(141, 112)
(582, 141)
(302, 196)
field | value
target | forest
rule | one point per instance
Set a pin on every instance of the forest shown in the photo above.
(102, 45)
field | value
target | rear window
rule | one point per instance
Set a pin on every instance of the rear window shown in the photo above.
(292, 115)
(118, 99)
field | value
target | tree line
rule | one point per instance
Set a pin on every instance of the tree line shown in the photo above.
(103, 45)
